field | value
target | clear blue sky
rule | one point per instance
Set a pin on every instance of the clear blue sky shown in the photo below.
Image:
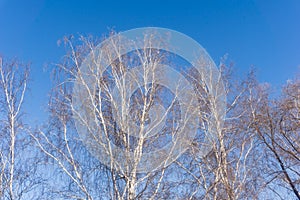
(263, 33)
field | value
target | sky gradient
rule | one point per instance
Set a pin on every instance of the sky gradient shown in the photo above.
(263, 34)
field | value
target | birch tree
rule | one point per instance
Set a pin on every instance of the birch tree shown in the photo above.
(230, 170)
(17, 176)
(124, 109)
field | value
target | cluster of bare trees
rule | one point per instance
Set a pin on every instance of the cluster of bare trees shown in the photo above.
(99, 140)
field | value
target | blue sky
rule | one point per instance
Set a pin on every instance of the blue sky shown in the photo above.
(263, 33)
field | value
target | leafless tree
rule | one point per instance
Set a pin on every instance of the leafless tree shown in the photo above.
(277, 124)
(17, 175)
(229, 171)
(118, 113)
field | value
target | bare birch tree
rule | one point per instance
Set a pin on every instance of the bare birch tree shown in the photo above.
(229, 171)
(124, 109)
(17, 177)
